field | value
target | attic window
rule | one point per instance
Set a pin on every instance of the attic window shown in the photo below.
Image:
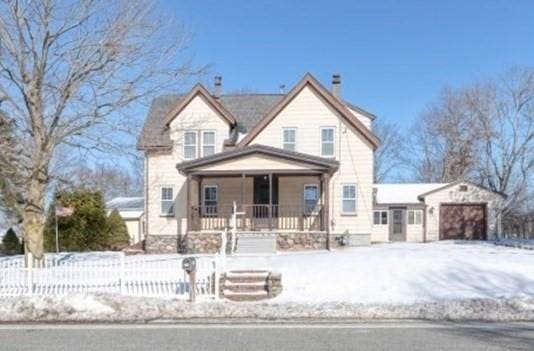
(463, 188)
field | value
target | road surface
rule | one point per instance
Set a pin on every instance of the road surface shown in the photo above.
(399, 336)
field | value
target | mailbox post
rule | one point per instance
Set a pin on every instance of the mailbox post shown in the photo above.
(189, 265)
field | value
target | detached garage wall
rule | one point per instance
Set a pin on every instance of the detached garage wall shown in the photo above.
(452, 194)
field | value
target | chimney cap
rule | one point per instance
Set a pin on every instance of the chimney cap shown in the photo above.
(336, 78)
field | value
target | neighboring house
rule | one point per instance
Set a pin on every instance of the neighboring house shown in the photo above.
(131, 210)
(298, 166)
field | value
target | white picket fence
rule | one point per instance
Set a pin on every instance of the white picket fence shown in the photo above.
(126, 275)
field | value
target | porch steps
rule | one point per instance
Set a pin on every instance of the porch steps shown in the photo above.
(253, 243)
(250, 285)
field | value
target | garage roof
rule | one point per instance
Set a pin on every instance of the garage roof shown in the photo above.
(403, 193)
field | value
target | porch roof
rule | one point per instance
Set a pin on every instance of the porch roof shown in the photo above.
(258, 158)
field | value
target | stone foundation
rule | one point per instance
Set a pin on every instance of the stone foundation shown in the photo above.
(301, 241)
(161, 244)
(202, 243)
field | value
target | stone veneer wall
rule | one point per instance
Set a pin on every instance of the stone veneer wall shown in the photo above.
(200, 243)
(301, 241)
(161, 244)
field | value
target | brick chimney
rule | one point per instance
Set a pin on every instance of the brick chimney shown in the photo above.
(336, 85)
(217, 91)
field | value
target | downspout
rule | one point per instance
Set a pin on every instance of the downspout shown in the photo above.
(424, 223)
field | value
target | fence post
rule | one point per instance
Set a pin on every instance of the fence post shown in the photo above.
(216, 262)
(30, 273)
(122, 274)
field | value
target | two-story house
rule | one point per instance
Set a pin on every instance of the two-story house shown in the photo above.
(297, 168)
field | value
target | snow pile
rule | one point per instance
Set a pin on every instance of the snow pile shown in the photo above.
(114, 308)
(517, 243)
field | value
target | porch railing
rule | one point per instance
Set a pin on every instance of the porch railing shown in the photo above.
(257, 217)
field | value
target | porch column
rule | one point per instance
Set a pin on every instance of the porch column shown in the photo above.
(270, 201)
(242, 187)
(188, 205)
(326, 208)
(200, 209)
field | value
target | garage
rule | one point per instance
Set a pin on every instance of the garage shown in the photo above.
(463, 222)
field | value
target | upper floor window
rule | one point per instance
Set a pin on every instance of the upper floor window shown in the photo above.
(327, 141)
(311, 197)
(415, 217)
(289, 139)
(348, 198)
(208, 142)
(190, 145)
(167, 201)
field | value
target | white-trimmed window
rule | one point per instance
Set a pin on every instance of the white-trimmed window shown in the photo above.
(380, 217)
(190, 144)
(328, 137)
(415, 217)
(311, 198)
(167, 201)
(348, 198)
(210, 199)
(289, 139)
(208, 142)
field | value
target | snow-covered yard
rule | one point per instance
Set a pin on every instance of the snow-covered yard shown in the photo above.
(401, 273)
(445, 280)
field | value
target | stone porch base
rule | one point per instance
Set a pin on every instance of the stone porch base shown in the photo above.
(209, 243)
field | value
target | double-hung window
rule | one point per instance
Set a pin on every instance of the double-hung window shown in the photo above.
(348, 199)
(311, 198)
(289, 139)
(190, 144)
(211, 199)
(167, 201)
(415, 216)
(380, 217)
(208, 142)
(328, 141)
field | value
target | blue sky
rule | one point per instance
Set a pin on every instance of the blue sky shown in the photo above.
(394, 56)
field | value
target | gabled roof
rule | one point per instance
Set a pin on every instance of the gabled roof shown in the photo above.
(199, 89)
(319, 162)
(248, 109)
(126, 203)
(339, 106)
(445, 186)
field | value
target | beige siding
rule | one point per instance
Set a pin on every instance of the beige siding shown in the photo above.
(161, 167)
(414, 232)
(308, 112)
(380, 232)
(451, 194)
(134, 230)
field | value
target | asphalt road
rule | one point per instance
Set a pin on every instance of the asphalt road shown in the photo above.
(409, 336)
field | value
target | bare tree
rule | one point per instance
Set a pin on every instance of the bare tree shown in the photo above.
(111, 180)
(443, 139)
(484, 132)
(71, 75)
(391, 155)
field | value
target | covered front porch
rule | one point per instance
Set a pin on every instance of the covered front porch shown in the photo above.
(269, 189)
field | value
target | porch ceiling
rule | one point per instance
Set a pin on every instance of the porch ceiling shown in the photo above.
(259, 159)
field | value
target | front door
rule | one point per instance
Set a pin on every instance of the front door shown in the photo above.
(261, 195)
(398, 225)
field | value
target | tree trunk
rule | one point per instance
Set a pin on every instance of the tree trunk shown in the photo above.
(34, 222)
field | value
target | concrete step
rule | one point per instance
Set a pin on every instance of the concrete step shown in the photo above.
(252, 244)
(246, 277)
(245, 286)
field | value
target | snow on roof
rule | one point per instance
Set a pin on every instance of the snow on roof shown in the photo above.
(126, 203)
(403, 193)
